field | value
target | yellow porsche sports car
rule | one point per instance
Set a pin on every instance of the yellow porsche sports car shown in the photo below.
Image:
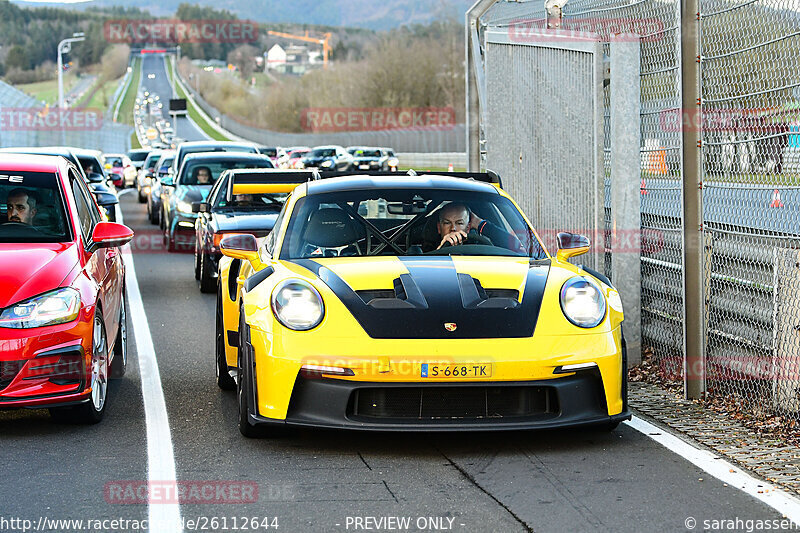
(415, 303)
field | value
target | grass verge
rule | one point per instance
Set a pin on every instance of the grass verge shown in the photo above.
(47, 91)
(128, 99)
(198, 119)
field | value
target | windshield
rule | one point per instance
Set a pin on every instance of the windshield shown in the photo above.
(186, 150)
(114, 161)
(206, 172)
(152, 159)
(271, 152)
(137, 156)
(90, 164)
(368, 153)
(256, 202)
(323, 152)
(298, 153)
(407, 222)
(32, 208)
(164, 163)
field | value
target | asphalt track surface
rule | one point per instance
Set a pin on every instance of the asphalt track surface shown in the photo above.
(315, 480)
(183, 126)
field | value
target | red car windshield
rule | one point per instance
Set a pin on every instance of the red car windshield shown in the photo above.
(32, 208)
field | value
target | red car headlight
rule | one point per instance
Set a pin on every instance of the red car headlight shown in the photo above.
(55, 307)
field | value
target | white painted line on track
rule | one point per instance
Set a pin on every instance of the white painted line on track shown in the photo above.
(162, 517)
(717, 466)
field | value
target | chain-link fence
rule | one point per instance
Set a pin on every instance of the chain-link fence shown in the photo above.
(750, 72)
(749, 121)
(24, 121)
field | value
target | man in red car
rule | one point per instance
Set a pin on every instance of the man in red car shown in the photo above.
(62, 291)
(21, 206)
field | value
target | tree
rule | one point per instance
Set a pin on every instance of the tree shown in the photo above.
(17, 58)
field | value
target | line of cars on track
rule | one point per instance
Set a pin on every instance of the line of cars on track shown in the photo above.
(374, 300)
(333, 157)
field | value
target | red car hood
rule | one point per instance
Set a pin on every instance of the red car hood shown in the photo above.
(31, 269)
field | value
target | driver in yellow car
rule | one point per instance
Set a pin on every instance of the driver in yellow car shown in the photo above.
(21, 206)
(456, 221)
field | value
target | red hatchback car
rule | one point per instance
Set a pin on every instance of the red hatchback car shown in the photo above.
(62, 291)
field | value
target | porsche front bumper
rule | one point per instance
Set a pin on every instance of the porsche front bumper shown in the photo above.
(576, 400)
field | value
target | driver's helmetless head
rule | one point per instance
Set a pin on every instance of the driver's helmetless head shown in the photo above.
(453, 217)
(203, 175)
(21, 206)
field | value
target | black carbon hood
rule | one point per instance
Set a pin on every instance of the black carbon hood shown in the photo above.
(434, 294)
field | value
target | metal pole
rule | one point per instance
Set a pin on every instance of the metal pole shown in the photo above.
(60, 77)
(472, 83)
(626, 213)
(64, 47)
(693, 241)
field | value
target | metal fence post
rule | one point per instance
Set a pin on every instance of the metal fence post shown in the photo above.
(626, 216)
(474, 80)
(692, 205)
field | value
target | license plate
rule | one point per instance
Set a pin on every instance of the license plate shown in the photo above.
(468, 370)
(363, 167)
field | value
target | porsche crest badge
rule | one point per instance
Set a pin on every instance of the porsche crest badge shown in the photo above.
(450, 326)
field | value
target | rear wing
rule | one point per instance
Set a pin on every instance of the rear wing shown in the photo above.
(487, 177)
(266, 180)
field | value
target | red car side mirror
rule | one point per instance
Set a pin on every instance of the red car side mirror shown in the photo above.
(111, 234)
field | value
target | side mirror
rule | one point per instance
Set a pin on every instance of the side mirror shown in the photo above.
(240, 246)
(94, 177)
(571, 244)
(200, 207)
(106, 199)
(111, 235)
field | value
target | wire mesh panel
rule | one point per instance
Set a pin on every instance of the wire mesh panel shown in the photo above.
(750, 68)
(21, 127)
(657, 23)
(749, 123)
(555, 173)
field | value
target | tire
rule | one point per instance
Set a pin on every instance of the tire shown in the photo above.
(224, 379)
(244, 384)
(169, 240)
(197, 262)
(207, 282)
(142, 198)
(120, 362)
(92, 411)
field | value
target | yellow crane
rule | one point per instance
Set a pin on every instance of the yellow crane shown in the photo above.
(325, 42)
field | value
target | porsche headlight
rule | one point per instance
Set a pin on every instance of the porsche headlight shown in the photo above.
(297, 305)
(55, 307)
(184, 207)
(326, 164)
(582, 302)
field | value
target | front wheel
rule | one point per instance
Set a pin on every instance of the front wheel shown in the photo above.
(207, 281)
(91, 412)
(224, 379)
(120, 361)
(196, 261)
(244, 383)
